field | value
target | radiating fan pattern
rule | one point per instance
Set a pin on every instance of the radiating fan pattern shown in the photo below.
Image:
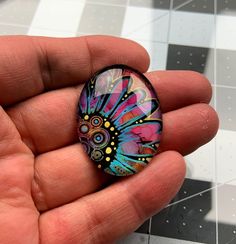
(119, 120)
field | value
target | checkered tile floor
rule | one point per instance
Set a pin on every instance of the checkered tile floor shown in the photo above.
(178, 34)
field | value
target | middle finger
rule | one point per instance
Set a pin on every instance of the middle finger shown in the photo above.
(66, 174)
(48, 121)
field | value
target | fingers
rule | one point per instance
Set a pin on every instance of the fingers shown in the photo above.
(30, 65)
(111, 213)
(188, 128)
(66, 174)
(48, 121)
(177, 89)
(10, 141)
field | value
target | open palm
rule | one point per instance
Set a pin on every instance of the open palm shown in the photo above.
(50, 192)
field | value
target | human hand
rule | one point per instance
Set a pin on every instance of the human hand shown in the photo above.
(50, 192)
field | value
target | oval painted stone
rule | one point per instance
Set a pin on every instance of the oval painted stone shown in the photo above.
(119, 120)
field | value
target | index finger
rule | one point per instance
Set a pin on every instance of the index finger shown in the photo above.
(31, 65)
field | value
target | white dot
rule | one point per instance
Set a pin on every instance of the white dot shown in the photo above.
(167, 221)
(234, 231)
(184, 224)
(200, 210)
(233, 199)
(233, 215)
(190, 63)
(200, 226)
(178, 62)
(184, 207)
(185, 192)
(190, 54)
(200, 194)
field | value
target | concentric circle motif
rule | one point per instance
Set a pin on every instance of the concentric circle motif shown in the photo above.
(119, 120)
(97, 155)
(84, 129)
(99, 138)
(96, 121)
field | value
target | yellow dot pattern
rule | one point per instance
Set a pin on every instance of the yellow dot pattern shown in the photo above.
(107, 124)
(108, 150)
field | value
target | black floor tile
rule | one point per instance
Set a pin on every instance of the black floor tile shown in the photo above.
(227, 7)
(144, 228)
(161, 4)
(187, 58)
(186, 220)
(199, 6)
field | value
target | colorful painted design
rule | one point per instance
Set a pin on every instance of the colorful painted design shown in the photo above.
(119, 120)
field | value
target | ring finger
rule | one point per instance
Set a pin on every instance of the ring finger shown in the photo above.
(66, 174)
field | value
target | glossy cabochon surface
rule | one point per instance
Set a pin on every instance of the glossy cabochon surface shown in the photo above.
(119, 120)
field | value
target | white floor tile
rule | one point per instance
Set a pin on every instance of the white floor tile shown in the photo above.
(165, 240)
(157, 52)
(58, 15)
(220, 151)
(201, 163)
(226, 32)
(134, 238)
(226, 156)
(192, 29)
(49, 32)
(146, 24)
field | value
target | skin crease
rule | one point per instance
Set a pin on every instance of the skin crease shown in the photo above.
(50, 192)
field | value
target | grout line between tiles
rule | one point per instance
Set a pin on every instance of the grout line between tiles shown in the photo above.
(107, 4)
(149, 230)
(169, 23)
(157, 18)
(14, 24)
(215, 81)
(168, 37)
(222, 86)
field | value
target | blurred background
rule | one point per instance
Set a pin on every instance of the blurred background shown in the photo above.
(195, 35)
